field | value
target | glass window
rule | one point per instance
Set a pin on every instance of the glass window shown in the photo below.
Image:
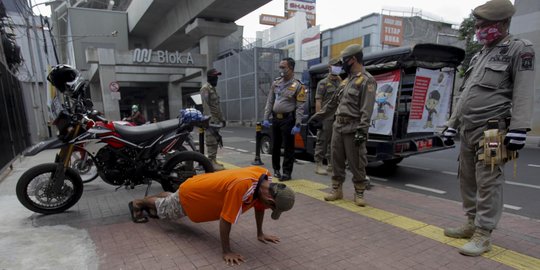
(325, 51)
(367, 40)
(290, 41)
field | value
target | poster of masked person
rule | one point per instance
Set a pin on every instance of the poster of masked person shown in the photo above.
(382, 118)
(430, 105)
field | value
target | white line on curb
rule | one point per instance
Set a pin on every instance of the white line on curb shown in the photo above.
(378, 179)
(426, 189)
(513, 207)
(242, 150)
(450, 173)
(252, 141)
(534, 165)
(522, 184)
(418, 168)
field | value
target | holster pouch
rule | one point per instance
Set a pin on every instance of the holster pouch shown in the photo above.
(495, 152)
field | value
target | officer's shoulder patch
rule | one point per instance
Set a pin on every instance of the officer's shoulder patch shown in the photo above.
(359, 81)
(526, 61)
(301, 96)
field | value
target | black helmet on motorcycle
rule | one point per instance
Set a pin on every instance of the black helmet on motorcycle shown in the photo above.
(61, 75)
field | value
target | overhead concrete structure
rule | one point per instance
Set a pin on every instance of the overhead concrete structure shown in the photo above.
(142, 47)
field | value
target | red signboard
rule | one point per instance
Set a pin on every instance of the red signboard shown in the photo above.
(392, 30)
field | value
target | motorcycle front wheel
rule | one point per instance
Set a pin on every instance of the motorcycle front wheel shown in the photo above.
(182, 166)
(35, 193)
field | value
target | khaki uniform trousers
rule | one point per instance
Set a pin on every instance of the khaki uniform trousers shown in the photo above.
(324, 140)
(345, 149)
(211, 145)
(481, 189)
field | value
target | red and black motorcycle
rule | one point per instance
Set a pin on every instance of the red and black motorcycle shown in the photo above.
(124, 155)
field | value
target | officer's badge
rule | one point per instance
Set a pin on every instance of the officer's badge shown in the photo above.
(527, 61)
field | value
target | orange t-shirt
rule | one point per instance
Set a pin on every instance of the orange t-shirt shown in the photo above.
(225, 194)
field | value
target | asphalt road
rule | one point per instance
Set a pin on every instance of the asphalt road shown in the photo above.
(434, 173)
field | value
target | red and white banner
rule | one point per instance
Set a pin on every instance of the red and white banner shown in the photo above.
(382, 118)
(392, 30)
(311, 40)
(430, 105)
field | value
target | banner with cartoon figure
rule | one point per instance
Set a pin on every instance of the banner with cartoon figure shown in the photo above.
(430, 99)
(382, 118)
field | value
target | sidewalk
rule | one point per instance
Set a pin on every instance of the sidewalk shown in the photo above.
(399, 230)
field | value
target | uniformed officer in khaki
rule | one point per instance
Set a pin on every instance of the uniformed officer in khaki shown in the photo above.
(498, 88)
(285, 104)
(325, 90)
(352, 107)
(210, 102)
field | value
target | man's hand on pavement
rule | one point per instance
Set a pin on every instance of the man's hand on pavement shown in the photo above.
(268, 238)
(232, 258)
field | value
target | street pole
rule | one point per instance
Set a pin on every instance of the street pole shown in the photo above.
(35, 85)
(43, 72)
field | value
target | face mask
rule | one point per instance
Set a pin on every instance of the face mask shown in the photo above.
(212, 81)
(347, 67)
(282, 72)
(488, 34)
(335, 70)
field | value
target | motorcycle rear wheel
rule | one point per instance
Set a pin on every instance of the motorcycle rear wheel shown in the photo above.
(85, 166)
(32, 190)
(182, 166)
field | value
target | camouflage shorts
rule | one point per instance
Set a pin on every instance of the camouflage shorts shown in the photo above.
(170, 207)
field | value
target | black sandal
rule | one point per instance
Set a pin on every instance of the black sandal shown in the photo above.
(135, 218)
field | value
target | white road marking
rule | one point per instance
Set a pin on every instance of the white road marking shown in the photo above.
(252, 141)
(426, 189)
(534, 165)
(513, 207)
(228, 147)
(226, 131)
(378, 179)
(522, 184)
(266, 155)
(242, 150)
(450, 173)
(414, 167)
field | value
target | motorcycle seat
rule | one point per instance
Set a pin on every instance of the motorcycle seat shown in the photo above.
(137, 134)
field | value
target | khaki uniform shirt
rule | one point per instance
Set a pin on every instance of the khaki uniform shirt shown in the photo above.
(285, 97)
(498, 84)
(210, 102)
(354, 101)
(326, 89)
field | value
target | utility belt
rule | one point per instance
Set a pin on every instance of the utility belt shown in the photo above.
(283, 115)
(346, 119)
(495, 152)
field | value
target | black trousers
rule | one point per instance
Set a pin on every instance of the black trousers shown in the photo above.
(281, 133)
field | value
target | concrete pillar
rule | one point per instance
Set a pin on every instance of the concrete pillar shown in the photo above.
(107, 74)
(175, 99)
(209, 45)
(96, 96)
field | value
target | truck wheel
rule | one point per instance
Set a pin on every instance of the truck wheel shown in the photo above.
(266, 147)
(392, 162)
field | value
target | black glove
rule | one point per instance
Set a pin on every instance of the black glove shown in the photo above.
(515, 139)
(448, 136)
(360, 137)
